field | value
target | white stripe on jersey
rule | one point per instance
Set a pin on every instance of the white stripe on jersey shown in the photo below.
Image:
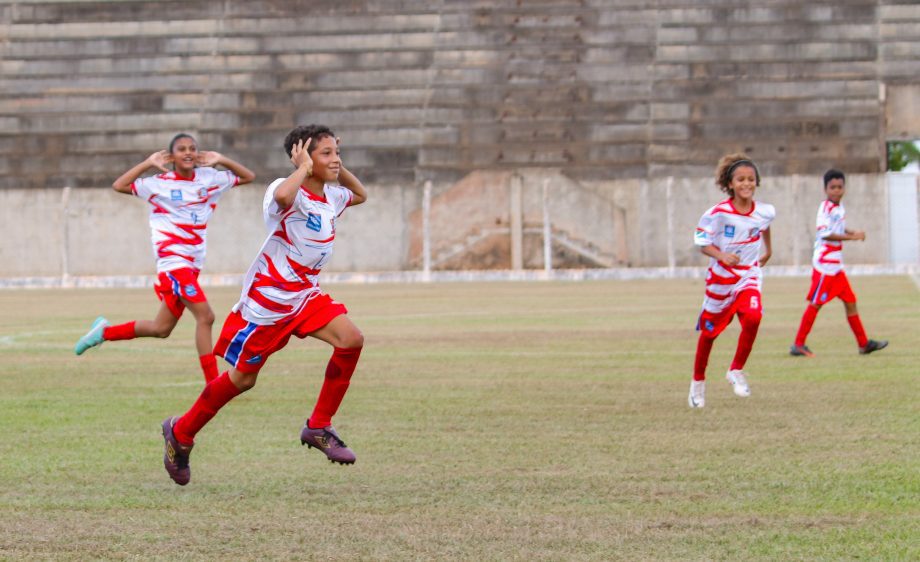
(828, 255)
(179, 212)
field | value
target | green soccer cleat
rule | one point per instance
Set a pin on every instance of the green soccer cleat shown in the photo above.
(93, 337)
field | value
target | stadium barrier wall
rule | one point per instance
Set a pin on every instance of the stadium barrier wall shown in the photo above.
(493, 222)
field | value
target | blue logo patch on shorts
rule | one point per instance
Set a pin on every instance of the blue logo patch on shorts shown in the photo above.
(709, 326)
(314, 222)
(824, 296)
(175, 194)
(729, 231)
(190, 291)
(255, 359)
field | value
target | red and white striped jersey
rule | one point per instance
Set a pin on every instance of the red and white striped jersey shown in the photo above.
(285, 275)
(179, 212)
(725, 228)
(828, 255)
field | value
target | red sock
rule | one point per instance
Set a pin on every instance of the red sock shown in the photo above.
(808, 320)
(857, 327)
(703, 347)
(217, 393)
(750, 323)
(209, 367)
(338, 375)
(120, 332)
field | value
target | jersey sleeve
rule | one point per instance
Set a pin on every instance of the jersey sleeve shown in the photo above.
(271, 210)
(706, 229)
(225, 179)
(144, 187)
(340, 198)
(769, 213)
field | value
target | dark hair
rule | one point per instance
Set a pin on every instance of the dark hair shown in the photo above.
(833, 174)
(180, 136)
(727, 166)
(304, 132)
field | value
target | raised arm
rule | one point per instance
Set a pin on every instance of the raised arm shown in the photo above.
(350, 182)
(211, 158)
(286, 193)
(156, 160)
(847, 235)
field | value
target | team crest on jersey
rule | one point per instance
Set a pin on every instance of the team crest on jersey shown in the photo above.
(314, 222)
(203, 192)
(729, 231)
(175, 194)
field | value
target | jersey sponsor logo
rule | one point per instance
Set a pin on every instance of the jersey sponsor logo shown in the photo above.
(314, 222)
(729, 231)
(175, 194)
(190, 291)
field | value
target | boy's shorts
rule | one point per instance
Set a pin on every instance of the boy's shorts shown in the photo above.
(713, 323)
(173, 286)
(247, 345)
(825, 288)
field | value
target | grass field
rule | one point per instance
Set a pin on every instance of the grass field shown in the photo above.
(541, 421)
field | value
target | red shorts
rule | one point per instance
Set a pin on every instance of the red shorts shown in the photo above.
(174, 286)
(247, 345)
(746, 302)
(825, 288)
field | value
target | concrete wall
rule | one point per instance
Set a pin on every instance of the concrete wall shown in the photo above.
(435, 89)
(632, 222)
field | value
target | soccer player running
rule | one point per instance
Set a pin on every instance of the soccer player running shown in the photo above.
(828, 280)
(281, 297)
(735, 234)
(182, 201)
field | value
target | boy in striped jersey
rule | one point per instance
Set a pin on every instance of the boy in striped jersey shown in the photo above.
(828, 280)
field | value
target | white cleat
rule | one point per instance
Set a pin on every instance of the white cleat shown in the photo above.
(697, 397)
(738, 379)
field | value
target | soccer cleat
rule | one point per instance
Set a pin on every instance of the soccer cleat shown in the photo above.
(800, 351)
(175, 454)
(873, 345)
(697, 397)
(93, 337)
(328, 442)
(739, 382)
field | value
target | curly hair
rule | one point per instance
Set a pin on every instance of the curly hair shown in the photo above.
(833, 174)
(304, 132)
(727, 166)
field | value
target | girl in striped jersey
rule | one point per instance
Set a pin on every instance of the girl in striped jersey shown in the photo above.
(181, 202)
(735, 234)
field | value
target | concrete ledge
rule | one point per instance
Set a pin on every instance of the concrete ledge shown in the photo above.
(618, 274)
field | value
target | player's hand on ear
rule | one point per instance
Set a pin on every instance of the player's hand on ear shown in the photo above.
(208, 158)
(300, 156)
(159, 160)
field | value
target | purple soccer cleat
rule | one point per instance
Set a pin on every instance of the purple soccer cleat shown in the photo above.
(328, 442)
(175, 454)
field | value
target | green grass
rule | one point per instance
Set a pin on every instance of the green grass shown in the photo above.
(542, 421)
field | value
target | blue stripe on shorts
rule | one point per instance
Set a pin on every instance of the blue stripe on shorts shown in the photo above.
(236, 346)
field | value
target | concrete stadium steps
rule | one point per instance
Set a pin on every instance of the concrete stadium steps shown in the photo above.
(422, 89)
